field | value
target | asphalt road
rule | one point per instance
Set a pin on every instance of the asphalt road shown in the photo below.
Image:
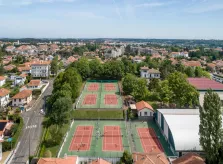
(32, 130)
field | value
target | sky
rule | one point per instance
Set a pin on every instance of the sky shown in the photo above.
(161, 19)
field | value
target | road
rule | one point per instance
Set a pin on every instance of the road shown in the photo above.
(32, 129)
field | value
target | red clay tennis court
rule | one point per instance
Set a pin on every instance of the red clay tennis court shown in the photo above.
(110, 87)
(112, 140)
(149, 140)
(93, 87)
(111, 99)
(90, 99)
(81, 140)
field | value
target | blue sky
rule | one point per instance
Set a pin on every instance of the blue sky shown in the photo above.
(180, 19)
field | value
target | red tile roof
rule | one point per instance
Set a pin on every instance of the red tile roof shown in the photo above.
(99, 161)
(144, 68)
(23, 75)
(150, 158)
(189, 158)
(34, 83)
(142, 104)
(67, 160)
(192, 64)
(205, 84)
(4, 92)
(23, 94)
(2, 78)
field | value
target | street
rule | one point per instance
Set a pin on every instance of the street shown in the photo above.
(31, 134)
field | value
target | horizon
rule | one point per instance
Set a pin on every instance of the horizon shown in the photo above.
(141, 19)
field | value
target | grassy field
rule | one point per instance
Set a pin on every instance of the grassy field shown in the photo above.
(94, 114)
(96, 145)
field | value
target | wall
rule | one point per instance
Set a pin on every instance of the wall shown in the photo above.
(149, 112)
(202, 93)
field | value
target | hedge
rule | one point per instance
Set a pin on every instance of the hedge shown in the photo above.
(6, 146)
(36, 92)
(93, 114)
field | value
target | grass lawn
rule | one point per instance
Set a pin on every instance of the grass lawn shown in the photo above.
(94, 114)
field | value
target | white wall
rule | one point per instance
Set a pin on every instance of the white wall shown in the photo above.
(4, 100)
(166, 129)
(2, 82)
(16, 102)
(201, 97)
(149, 112)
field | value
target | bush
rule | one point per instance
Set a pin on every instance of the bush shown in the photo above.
(36, 92)
(47, 154)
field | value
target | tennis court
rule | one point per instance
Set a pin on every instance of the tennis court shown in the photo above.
(147, 136)
(81, 140)
(149, 140)
(112, 140)
(98, 137)
(100, 95)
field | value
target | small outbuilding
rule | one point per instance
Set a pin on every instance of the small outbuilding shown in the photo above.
(144, 110)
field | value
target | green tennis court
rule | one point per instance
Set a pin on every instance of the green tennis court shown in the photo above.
(97, 140)
(100, 94)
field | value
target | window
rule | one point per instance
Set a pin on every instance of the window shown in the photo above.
(19, 100)
(145, 113)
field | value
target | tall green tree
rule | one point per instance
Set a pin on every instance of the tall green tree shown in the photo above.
(96, 68)
(126, 158)
(190, 72)
(61, 111)
(210, 126)
(166, 68)
(198, 72)
(114, 69)
(83, 67)
(54, 65)
(128, 83)
(140, 91)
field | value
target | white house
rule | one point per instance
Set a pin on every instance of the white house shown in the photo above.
(179, 54)
(149, 74)
(144, 110)
(34, 84)
(2, 81)
(20, 80)
(4, 97)
(41, 69)
(22, 98)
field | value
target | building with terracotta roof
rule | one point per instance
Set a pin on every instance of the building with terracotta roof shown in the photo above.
(149, 74)
(9, 67)
(19, 80)
(34, 84)
(24, 69)
(65, 160)
(2, 80)
(189, 158)
(203, 84)
(144, 109)
(99, 161)
(150, 158)
(22, 98)
(193, 64)
(4, 97)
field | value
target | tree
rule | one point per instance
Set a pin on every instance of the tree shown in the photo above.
(210, 126)
(96, 68)
(128, 83)
(54, 65)
(164, 91)
(153, 84)
(189, 72)
(184, 94)
(83, 67)
(198, 72)
(47, 154)
(140, 91)
(166, 68)
(114, 69)
(126, 158)
(61, 111)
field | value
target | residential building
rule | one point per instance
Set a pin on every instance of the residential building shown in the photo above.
(22, 98)
(149, 74)
(41, 69)
(10, 49)
(2, 80)
(99, 161)
(65, 160)
(144, 110)
(192, 64)
(4, 97)
(149, 158)
(19, 80)
(138, 59)
(179, 54)
(34, 84)
(203, 84)
(189, 158)
(24, 69)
